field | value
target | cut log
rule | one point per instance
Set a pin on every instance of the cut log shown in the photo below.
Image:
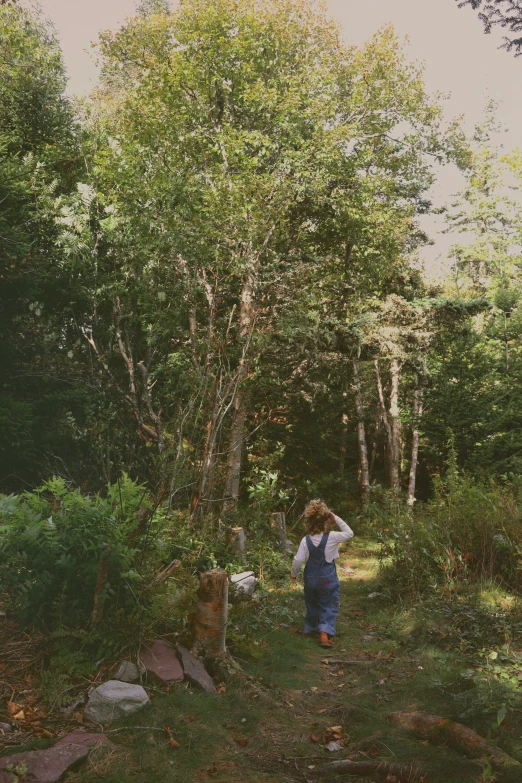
(236, 541)
(457, 736)
(380, 770)
(210, 621)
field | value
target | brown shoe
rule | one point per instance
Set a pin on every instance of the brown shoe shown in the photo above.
(324, 641)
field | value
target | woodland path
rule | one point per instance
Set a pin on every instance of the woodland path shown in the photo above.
(273, 730)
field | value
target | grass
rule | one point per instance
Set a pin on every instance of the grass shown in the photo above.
(435, 657)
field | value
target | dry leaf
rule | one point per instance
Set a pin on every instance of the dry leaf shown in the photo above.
(172, 741)
(213, 770)
(314, 738)
(242, 741)
(221, 688)
(19, 715)
(13, 707)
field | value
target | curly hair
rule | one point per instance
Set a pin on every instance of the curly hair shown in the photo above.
(317, 517)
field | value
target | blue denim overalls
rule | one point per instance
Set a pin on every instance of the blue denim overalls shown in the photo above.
(321, 590)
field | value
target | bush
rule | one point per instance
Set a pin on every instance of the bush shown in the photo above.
(51, 542)
(471, 531)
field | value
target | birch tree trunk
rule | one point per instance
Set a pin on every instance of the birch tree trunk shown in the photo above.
(240, 406)
(210, 621)
(395, 426)
(417, 417)
(364, 473)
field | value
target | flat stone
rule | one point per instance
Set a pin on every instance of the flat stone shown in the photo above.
(160, 660)
(114, 700)
(195, 671)
(127, 672)
(48, 766)
(5, 728)
(374, 595)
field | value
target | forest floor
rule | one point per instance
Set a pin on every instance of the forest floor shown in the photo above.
(272, 727)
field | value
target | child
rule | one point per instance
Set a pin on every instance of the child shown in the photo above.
(318, 550)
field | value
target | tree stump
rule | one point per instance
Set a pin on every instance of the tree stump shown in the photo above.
(210, 621)
(279, 525)
(236, 541)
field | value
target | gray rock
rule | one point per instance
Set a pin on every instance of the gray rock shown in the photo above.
(5, 728)
(127, 672)
(195, 671)
(114, 700)
(245, 582)
(374, 595)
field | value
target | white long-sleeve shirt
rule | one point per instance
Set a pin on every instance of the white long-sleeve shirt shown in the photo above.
(331, 551)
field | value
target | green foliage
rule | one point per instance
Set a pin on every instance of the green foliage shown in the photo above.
(51, 541)
(469, 533)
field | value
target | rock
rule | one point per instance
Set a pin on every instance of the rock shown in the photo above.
(333, 747)
(374, 595)
(5, 728)
(160, 660)
(114, 700)
(128, 672)
(368, 638)
(48, 766)
(245, 582)
(195, 671)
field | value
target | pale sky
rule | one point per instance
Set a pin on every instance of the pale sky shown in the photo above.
(459, 59)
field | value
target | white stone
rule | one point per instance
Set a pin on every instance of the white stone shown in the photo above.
(374, 595)
(245, 582)
(114, 700)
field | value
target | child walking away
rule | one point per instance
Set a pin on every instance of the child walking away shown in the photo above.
(319, 550)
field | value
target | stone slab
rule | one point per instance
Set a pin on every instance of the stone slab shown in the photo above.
(48, 766)
(161, 661)
(113, 700)
(195, 671)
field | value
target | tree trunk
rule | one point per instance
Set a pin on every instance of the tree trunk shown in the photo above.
(279, 524)
(236, 541)
(364, 473)
(417, 417)
(101, 581)
(240, 407)
(344, 441)
(210, 621)
(395, 426)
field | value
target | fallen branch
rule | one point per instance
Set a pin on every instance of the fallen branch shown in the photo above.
(383, 770)
(165, 573)
(351, 663)
(457, 736)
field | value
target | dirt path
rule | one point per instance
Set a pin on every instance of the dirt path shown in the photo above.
(275, 729)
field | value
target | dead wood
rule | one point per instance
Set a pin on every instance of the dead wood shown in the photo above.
(159, 578)
(351, 663)
(457, 736)
(382, 770)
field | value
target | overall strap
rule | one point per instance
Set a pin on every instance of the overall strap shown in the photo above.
(322, 545)
(310, 544)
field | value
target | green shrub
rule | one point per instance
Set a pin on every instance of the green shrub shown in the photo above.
(470, 532)
(51, 541)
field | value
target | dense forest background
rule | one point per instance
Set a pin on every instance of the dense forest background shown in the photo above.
(210, 268)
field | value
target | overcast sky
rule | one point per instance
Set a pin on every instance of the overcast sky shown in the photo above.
(459, 59)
